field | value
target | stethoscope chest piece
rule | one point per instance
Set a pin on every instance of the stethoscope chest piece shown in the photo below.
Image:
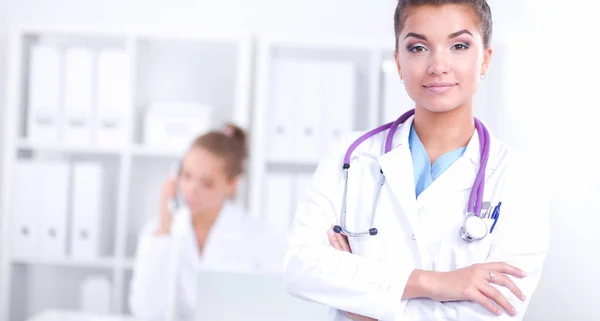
(474, 228)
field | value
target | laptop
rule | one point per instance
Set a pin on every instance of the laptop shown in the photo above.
(231, 296)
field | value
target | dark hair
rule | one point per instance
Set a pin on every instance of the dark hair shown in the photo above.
(229, 144)
(480, 8)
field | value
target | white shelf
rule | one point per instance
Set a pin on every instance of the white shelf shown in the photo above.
(128, 264)
(165, 65)
(168, 65)
(143, 151)
(23, 144)
(68, 262)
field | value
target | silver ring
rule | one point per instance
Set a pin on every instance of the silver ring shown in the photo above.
(491, 276)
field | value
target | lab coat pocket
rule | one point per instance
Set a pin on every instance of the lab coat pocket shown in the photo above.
(367, 246)
(454, 253)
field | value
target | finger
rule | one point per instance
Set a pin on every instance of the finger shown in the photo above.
(493, 293)
(476, 296)
(356, 317)
(506, 269)
(505, 281)
(333, 240)
(343, 241)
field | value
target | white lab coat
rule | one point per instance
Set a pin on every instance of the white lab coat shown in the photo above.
(414, 233)
(237, 242)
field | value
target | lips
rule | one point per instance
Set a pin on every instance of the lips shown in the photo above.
(439, 87)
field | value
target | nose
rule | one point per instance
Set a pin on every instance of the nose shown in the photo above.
(438, 64)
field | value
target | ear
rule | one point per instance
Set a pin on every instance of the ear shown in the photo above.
(487, 59)
(397, 59)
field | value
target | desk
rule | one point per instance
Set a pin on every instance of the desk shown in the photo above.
(66, 315)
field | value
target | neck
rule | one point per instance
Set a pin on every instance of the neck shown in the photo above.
(205, 219)
(444, 132)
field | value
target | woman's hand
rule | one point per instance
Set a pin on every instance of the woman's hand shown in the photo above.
(169, 191)
(356, 317)
(474, 283)
(340, 243)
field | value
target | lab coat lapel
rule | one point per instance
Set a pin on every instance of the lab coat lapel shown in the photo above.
(458, 177)
(218, 233)
(397, 167)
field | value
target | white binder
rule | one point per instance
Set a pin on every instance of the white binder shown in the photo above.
(86, 209)
(51, 215)
(281, 111)
(112, 98)
(308, 111)
(78, 93)
(24, 227)
(339, 103)
(277, 200)
(44, 94)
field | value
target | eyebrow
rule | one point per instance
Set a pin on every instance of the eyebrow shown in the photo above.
(452, 35)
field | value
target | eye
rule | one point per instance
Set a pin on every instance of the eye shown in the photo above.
(460, 46)
(417, 48)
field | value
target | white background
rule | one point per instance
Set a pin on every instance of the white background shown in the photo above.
(558, 110)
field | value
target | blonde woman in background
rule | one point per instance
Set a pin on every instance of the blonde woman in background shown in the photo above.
(216, 233)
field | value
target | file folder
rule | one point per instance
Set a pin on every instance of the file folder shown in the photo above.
(78, 97)
(44, 90)
(113, 98)
(86, 208)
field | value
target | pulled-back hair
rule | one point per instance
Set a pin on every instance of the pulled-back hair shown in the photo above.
(480, 8)
(229, 144)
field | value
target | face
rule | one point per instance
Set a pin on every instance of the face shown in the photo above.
(204, 182)
(441, 56)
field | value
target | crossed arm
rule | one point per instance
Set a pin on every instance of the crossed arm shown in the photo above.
(473, 283)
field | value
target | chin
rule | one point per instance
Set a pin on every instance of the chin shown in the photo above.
(440, 105)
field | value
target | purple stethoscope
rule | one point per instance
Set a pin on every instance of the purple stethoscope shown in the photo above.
(474, 227)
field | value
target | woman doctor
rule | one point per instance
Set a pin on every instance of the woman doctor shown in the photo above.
(211, 230)
(418, 264)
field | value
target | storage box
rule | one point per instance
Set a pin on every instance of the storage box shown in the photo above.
(173, 126)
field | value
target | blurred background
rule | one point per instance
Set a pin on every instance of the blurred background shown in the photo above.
(139, 78)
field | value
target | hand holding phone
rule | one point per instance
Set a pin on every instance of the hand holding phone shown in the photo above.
(168, 203)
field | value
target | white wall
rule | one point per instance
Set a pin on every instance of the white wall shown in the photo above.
(560, 108)
(567, 63)
(353, 17)
(3, 40)
(349, 18)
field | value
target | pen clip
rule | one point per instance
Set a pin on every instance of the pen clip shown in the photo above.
(495, 216)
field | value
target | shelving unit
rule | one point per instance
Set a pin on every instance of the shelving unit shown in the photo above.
(288, 174)
(210, 69)
(50, 286)
(217, 70)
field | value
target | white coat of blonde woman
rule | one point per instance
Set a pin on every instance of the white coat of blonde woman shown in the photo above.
(210, 231)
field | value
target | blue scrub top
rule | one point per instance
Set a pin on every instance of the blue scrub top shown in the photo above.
(425, 172)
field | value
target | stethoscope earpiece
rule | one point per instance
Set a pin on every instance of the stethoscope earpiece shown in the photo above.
(337, 229)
